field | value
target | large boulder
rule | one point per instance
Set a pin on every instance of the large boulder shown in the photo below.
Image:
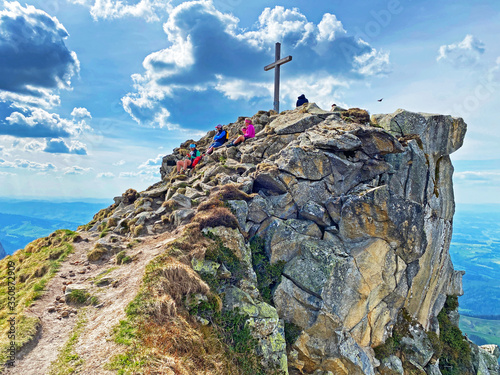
(441, 135)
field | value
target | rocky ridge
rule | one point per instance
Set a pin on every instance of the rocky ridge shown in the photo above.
(328, 233)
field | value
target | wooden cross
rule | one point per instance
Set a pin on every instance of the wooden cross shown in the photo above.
(276, 65)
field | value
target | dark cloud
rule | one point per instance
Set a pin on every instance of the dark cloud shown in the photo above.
(34, 58)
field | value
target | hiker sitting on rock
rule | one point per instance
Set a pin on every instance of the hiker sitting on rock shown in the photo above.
(301, 100)
(220, 138)
(248, 132)
(192, 155)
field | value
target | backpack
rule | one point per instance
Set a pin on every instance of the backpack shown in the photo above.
(225, 139)
(195, 161)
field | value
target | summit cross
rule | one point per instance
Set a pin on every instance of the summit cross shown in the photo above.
(276, 66)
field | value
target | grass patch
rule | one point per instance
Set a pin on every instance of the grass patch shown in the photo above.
(268, 275)
(104, 232)
(123, 258)
(81, 297)
(215, 217)
(68, 360)
(33, 267)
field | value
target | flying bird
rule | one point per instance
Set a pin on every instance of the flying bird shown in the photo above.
(380, 100)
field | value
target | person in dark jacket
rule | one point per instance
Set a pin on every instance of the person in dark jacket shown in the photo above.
(220, 138)
(301, 100)
(191, 156)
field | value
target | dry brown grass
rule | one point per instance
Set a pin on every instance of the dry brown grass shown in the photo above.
(211, 203)
(179, 280)
(215, 217)
(130, 196)
(230, 192)
(356, 115)
(181, 347)
(171, 205)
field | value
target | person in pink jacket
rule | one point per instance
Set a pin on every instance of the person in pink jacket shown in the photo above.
(248, 132)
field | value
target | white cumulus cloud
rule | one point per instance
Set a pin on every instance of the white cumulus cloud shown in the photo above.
(151, 10)
(462, 54)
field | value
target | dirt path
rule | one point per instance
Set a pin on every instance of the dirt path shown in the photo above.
(95, 345)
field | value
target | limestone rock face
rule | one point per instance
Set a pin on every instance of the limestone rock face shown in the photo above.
(360, 215)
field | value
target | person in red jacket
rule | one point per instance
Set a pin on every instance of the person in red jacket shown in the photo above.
(248, 132)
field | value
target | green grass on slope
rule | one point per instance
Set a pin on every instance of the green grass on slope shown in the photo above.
(23, 278)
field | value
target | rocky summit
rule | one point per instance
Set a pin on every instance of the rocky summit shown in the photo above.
(318, 247)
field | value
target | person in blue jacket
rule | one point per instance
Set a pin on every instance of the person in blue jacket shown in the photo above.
(301, 100)
(220, 138)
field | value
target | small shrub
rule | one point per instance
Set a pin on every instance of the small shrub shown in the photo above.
(292, 333)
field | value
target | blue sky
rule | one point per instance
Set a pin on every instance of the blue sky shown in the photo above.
(94, 92)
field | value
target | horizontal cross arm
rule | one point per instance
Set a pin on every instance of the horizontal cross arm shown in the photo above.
(277, 63)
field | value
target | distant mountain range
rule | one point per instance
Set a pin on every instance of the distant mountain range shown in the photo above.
(22, 221)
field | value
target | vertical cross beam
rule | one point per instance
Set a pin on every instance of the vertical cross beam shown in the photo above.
(276, 66)
(277, 70)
